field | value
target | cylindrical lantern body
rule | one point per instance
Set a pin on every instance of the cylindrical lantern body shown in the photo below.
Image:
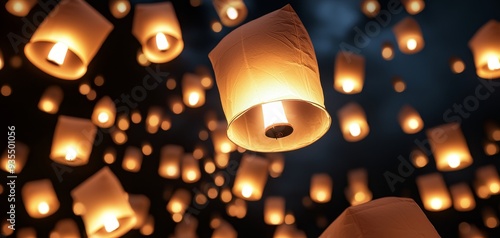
(410, 120)
(220, 140)
(66, 228)
(274, 210)
(413, 7)
(224, 230)
(119, 8)
(449, 147)
(190, 169)
(104, 113)
(486, 51)
(463, 199)
(51, 99)
(357, 191)
(72, 25)
(179, 201)
(193, 92)
(221, 159)
(370, 8)
(409, 36)
(140, 204)
(153, 119)
(387, 51)
(72, 141)
(433, 192)
(132, 159)
(288, 231)
(170, 160)
(349, 74)
(19, 8)
(118, 136)
(211, 120)
(122, 122)
(15, 166)
(353, 124)
(157, 29)
(276, 164)
(231, 12)
(321, 188)
(487, 176)
(490, 218)
(251, 177)
(270, 93)
(39, 198)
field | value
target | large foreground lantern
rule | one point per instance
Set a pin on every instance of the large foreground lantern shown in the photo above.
(68, 39)
(486, 50)
(270, 93)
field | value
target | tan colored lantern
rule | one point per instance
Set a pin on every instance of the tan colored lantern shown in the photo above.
(220, 140)
(2, 62)
(149, 226)
(66, 41)
(433, 192)
(72, 141)
(237, 208)
(449, 147)
(276, 164)
(231, 12)
(51, 99)
(65, 228)
(39, 198)
(211, 120)
(103, 205)
(274, 210)
(224, 230)
(409, 36)
(176, 104)
(226, 195)
(209, 166)
(140, 204)
(179, 201)
(170, 160)
(370, 8)
(221, 159)
(490, 218)
(118, 136)
(288, 231)
(157, 29)
(398, 84)
(109, 155)
(463, 199)
(119, 8)
(387, 51)
(186, 228)
(205, 74)
(132, 160)
(491, 148)
(19, 8)
(190, 169)
(26, 232)
(487, 176)
(270, 93)
(15, 165)
(154, 119)
(413, 7)
(321, 188)
(353, 124)
(349, 75)
(122, 122)
(357, 191)
(410, 120)
(104, 113)
(467, 230)
(418, 158)
(251, 177)
(492, 130)
(457, 65)
(193, 92)
(485, 49)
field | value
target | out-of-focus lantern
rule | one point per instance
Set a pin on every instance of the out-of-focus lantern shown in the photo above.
(398, 84)
(15, 166)
(357, 191)
(321, 188)
(463, 199)
(72, 141)
(51, 99)
(103, 205)
(153, 119)
(409, 36)
(211, 120)
(19, 8)
(186, 228)
(122, 122)
(226, 195)
(157, 29)
(224, 230)
(487, 176)
(221, 142)
(418, 158)
(132, 159)
(288, 231)
(170, 160)
(65, 228)
(193, 92)
(104, 113)
(492, 130)
(39, 198)
(491, 148)
(140, 204)
(251, 177)
(387, 51)
(205, 74)
(26, 232)
(484, 47)
(276, 164)
(176, 104)
(2, 61)
(119, 8)
(490, 218)
(149, 226)
(109, 155)
(457, 65)
(433, 192)
(118, 136)
(449, 147)
(370, 8)
(237, 208)
(413, 7)
(231, 12)
(353, 124)
(467, 230)
(190, 169)
(410, 120)
(179, 202)
(349, 72)
(66, 41)
(209, 166)
(274, 210)
(270, 93)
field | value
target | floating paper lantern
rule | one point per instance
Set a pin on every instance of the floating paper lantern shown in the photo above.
(19, 8)
(490, 218)
(149, 226)
(237, 208)
(157, 29)
(418, 158)
(192, 90)
(409, 36)
(190, 169)
(370, 8)
(220, 140)
(349, 72)
(410, 120)
(492, 130)
(463, 199)
(170, 160)
(487, 177)
(353, 124)
(224, 230)
(109, 156)
(270, 93)
(485, 49)
(104, 113)
(118, 136)
(457, 65)
(39, 198)
(2, 61)
(153, 119)
(26, 232)
(119, 8)
(491, 148)
(211, 120)
(433, 192)
(132, 160)
(276, 164)
(122, 122)
(231, 12)
(398, 84)
(274, 210)
(65, 228)
(251, 177)
(176, 104)
(321, 188)
(140, 204)
(288, 231)
(51, 99)
(449, 147)
(66, 41)
(205, 74)
(21, 156)
(186, 228)
(179, 201)
(221, 159)
(387, 51)
(467, 230)
(357, 191)
(209, 166)
(413, 7)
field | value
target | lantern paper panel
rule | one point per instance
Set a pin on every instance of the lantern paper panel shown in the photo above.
(231, 12)
(65, 228)
(119, 8)
(271, 94)
(433, 192)
(140, 204)
(132, 159)
(51, 99)
(67, 40)
(321, 188)
(449, 147)
(413, 7)
(463, 198)
(170, 161)
(21, 156)
(104, 113)
(353, 124)
(409, 36)
(39, 198)
(251, 177)
(274, 210)
(457, 65)
(410, 120)
(486, 51)
(349, 72)
(20, 8)
(193, 92)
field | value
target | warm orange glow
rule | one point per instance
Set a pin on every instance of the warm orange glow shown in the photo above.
(246, 191)
(354, 129)
(387, 52)
(453, 161)
(411, 44)
(43, 208)
(457, 65)
(493, 63)
(110, 222)
(161, 42)
(6, 90)
(232, 13)
(58, 53)
(436, 203)
(71, 154)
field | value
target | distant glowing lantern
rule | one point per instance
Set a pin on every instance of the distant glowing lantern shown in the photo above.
(170, 160)
(226, 195)
(237, 208)
(418, 158)
(211, 120)
(491, 148)
(103, 205)
(251, 177)
(467, 230)
(176, 104)
(66, 41)
(221, 159)
(132, 160)
(119, 8)
(490, 218)
(224, 230)
(154, 119)
(209, 166)
(276, 164)
(193, 92)
(457, 65)
(433, 192)
(109, 155)
(26, 232)
(349, 72)
(357, 191)
(484, 47)
(409, 36)
(288, 231)
(463, 199)
(186, 228)
(387, 51)
(398, 84)
(231, 12)
(219, 179)
(51, 99)
(65, 228)
(321, 188)
(449, 147)
(21, 156)
(271, 94)
(104, 113)
(140, 204)
(221, 142)
(199, 151)
(274, 210)
(39, 198)
(118, 136)
(2, 61)
(72, 141)
(370, 8)
(492, 130)
(410, 120)
(19, 8)
(353, 124)
(149, 226)
(205, 74)
(488, 178)
(179, 201)
(122, 122)
(413, 7)
(190, 169)
(146, 148)
(157, 29)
